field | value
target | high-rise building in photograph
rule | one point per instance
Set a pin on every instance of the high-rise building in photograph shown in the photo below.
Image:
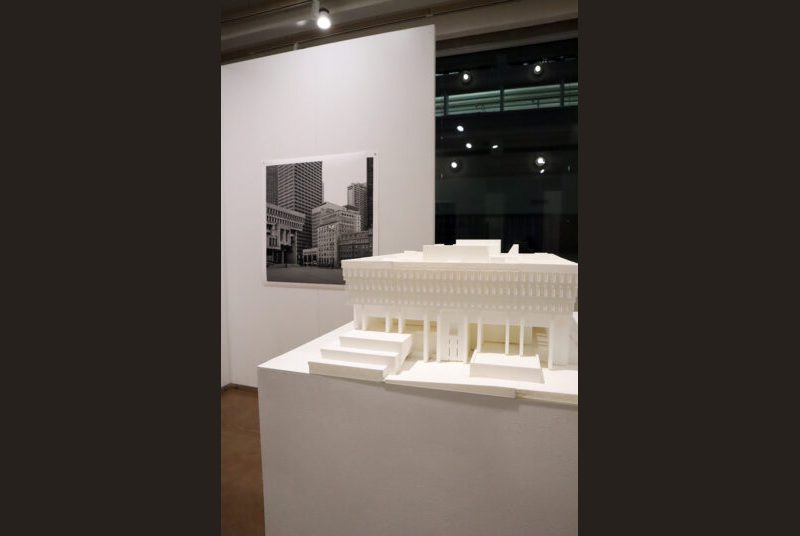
(329, 221)
(355, 245)
(368, 223)
(272, 185)
(297, 187)
(317, 213)
(357, 197)
(328, 213)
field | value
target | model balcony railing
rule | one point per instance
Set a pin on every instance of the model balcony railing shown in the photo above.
(502, 100)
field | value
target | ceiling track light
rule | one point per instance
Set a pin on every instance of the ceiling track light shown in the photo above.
(324, 19)
(322, 15)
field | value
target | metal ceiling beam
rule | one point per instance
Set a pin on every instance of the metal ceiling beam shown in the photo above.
(530, 35)
(270, 9)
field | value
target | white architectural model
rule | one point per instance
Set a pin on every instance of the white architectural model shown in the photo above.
(505, 316)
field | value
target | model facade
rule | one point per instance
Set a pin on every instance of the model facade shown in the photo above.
(507, 315)
(466, 295)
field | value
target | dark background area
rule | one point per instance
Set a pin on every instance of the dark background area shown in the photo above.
(485, 192)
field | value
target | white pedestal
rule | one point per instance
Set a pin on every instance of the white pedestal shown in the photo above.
(344, 457)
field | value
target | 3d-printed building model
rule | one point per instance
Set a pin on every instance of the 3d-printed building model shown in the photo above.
(506, 315)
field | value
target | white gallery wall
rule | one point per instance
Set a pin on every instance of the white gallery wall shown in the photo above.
(369, 94)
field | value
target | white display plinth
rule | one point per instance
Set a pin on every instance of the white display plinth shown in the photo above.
(344, 457)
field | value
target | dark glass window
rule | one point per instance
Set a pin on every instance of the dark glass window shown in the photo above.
(507, 147)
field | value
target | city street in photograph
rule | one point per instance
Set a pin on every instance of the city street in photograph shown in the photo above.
(318, 213)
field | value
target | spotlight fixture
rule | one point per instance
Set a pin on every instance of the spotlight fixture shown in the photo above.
(323, 18)
(495, 146)
(537, 69)
(469, 145)
(540, 161)
(460, 128)
(466, 77)
(454, 164)
(322, 15)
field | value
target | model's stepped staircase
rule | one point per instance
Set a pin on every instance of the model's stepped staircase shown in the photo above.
(504, 367)
(365, 355)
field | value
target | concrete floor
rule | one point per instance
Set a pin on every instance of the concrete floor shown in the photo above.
(242, 491)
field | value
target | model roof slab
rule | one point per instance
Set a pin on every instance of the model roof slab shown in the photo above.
(415, 260)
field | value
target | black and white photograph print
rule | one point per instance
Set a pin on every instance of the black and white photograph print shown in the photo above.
(319, 213)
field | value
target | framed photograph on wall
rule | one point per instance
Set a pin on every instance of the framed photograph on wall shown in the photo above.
(319, 212)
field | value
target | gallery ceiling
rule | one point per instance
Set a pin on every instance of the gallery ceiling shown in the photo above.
(252, 28)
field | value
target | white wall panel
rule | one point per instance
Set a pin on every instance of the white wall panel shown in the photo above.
(370, 94)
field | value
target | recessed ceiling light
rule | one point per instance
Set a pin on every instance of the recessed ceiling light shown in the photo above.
(541, 171)
(460, 128)
(537, 69)
(465, 76)
(454, 164)
(495, 146)
(540, 161)
(469, 145)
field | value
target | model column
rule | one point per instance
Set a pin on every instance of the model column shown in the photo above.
(439, 337)
(480, 334)
(425, 337)
(558, 351)
(465, 339)
(508, 333)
